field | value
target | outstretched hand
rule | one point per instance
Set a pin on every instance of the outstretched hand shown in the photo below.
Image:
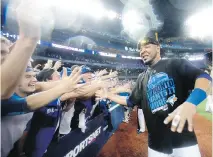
(49, 64)
(69, 83)
(101, 73)
(29, 17)
(102, 94)
(180, 115)
(57, 65)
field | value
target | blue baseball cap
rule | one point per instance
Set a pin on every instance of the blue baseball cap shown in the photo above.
(69, 71)
(85, 69)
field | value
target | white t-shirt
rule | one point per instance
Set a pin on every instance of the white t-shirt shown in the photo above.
(209, 103)
(66, 121)
(12, 128)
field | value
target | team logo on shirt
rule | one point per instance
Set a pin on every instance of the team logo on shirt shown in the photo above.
(51, 110)
(160, 92)
(171, 100)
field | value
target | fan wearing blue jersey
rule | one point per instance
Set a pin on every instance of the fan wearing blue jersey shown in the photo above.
(45, 121)
(23, 102)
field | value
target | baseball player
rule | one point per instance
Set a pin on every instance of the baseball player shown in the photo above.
(209, 103)
(162, 91)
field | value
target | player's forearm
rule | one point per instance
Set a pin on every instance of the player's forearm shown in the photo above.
(118, 99)
(41, 99)
(203, 84)
(15, 65)
(199, 94)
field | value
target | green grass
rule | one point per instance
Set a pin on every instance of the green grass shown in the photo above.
(202, 112)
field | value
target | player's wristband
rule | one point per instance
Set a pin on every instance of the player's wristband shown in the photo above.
(197, 96)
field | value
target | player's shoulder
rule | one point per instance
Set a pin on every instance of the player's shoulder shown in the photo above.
(141, 75)
(175, 62)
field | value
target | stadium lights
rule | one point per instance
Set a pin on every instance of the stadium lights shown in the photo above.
(67, 47)
(93, 9)
(164, 58)
(96, 10)
(131, 20)
(200, 24)
(107, 54)
(130, 57)
(112, 14)
(195, 58)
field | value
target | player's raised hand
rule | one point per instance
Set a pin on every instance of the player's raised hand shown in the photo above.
(184, 113)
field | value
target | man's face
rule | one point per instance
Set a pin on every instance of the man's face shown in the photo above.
(149, 52)
(4, 49)
(87, 76)
(27, 84)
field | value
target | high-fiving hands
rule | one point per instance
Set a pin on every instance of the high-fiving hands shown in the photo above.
(102, 94)
(184, 113)
(101, 73)
(69, 83)
(49, 64)
(57, 65)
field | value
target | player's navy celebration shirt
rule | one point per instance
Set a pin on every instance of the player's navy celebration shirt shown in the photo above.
(159, 91)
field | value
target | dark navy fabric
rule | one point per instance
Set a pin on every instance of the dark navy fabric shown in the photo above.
(92, 142)
(107, 115)
(129, 102)
(205, 75)
(42, 129)
(15, 105)
(88, 105)
(103, 106)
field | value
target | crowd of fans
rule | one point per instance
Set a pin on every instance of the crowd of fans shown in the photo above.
(42, 104)
(82, 57)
